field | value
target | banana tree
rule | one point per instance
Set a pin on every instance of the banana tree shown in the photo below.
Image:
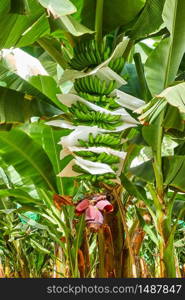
(115, 102)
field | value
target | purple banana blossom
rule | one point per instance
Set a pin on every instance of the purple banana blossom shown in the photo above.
(93, 209)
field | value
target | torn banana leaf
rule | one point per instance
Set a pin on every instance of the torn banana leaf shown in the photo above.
(174, 96)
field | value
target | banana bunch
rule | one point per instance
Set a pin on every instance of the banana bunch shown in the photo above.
(93, 85)
(102, 140)
(82, 114)
(102, 157)
(79, 106)
(89, 54)
(117, 64)
(106, 178)
(101, 100)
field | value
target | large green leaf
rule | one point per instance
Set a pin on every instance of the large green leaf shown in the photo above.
(149, 134)
(47, 85)
(149, 19)
(144, 50)
(19, 6)
(40, 86)
(38, 29)
(162, 65)
(174, 172)
(12, 106)
(50, 139)
(28, 158)
(115, 13)
(21, 30)
(144, 171)
(49, 65)
(4, 7)
(15, 107)
(173, 119)
(132, 87)
(134, 190)
(20, 196)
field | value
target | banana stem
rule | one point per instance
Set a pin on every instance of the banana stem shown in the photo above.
(157, 164)
(128, 239)
(99, 20)
(169, 209)
(101, 251)
(160, 200)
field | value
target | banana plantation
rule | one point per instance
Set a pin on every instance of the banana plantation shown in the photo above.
(92, 139)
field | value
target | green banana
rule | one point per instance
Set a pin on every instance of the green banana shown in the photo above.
(91, 138)
(78, 169)
(82, 143)
(117, 64)
(88, 55)
(93, 85)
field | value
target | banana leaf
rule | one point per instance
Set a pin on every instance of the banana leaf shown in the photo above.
(149, 20)
(28, 159)
(16, 107)
(115, 13)
(21, 30)
(163, 63)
